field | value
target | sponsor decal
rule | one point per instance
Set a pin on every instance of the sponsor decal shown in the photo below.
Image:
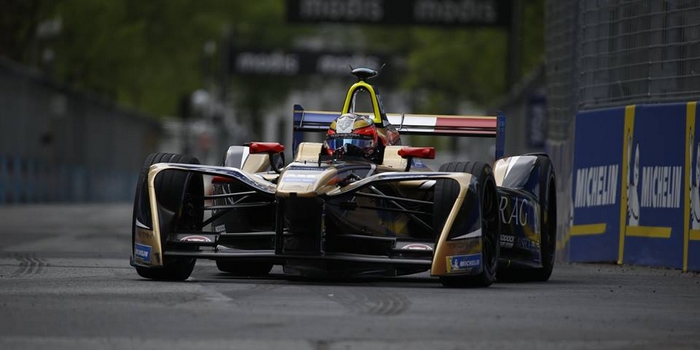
(661, 186)
(460, 263)
(220, 228)
(417, 246)
(514, 210)
(142, 252)
(290, 177)
(305, 168)
(195, 239)
(596, 186)
(528, 244)
(632, 183)
(507, 241)
(694, 186)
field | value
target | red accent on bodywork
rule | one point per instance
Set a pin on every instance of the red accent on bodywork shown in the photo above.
(222, 180)
(486, 126)
(265, 147)
(417, 152)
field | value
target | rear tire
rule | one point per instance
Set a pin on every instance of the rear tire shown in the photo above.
(446, 192)
(548, 218)
(178, 192)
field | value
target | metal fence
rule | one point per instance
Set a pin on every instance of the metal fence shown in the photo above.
(58, 144)
(638, 51)
(617, 52)
(605, 53)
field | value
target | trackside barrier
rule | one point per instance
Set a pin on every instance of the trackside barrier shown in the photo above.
(58, 144)
(561, 154)
(34, 181)
(635, 187)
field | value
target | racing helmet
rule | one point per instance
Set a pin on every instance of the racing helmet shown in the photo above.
(352, 135)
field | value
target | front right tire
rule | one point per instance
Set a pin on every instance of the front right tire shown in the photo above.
(446, 192)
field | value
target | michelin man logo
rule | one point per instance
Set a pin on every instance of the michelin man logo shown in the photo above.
(632, 184)
(694, 187)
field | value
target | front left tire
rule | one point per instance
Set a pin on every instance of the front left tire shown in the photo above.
(179, 192)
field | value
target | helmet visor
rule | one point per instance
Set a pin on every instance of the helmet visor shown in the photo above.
(337, 143)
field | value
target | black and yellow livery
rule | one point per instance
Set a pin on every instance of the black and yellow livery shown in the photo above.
(467, 223)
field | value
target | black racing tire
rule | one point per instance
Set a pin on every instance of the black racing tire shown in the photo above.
(241, 268)
(548, 218)
(178, 192)
(445, 193)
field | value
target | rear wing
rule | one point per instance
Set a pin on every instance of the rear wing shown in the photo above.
(412, 124)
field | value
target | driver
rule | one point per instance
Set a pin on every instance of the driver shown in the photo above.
(352, 135)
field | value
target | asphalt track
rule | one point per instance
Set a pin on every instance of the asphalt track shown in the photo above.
(65, 283)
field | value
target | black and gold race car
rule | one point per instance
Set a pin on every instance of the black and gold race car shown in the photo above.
(334, 213)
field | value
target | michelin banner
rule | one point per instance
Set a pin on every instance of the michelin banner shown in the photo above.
(596, 185)
(635, 189)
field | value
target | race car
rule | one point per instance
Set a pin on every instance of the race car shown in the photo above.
(358, 204)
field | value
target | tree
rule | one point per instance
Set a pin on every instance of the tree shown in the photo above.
(147, 54)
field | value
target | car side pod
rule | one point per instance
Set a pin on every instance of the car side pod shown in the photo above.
(409, 153)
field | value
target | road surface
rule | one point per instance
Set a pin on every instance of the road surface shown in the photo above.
(66, 283)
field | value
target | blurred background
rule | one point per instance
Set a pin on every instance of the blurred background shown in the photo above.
(89, 87)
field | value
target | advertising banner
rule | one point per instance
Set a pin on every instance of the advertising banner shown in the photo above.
(596, 185)
(636, 186)
(447, 13)
(654, 211)
(691, 247)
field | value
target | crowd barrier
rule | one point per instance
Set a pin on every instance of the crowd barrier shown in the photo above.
(635, 190)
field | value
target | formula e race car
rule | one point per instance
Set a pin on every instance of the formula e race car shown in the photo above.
(336, 212)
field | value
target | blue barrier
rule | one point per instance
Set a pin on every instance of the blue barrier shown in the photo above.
(596, 184)
(4, 180)
(654, 158)
(636, 186)
(35, 181)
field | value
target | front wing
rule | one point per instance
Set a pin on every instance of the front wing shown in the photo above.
(457, 247)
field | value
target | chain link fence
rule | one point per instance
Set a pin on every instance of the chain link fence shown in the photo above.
(642, 51)
(60, 145)
(606, 53)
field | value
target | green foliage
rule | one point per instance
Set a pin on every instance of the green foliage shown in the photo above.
(143, 53)
(447, 66)
(146, 54)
